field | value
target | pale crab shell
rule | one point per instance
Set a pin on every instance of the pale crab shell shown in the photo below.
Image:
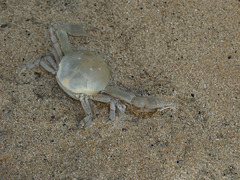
(83, 72)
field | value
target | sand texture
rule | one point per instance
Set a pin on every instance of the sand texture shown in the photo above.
(187, 50)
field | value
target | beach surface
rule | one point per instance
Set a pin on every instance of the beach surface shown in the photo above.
(184, 50)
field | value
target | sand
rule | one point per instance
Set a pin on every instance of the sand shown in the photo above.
(186, 50)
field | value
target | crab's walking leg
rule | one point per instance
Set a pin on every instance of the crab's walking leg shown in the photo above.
(50, 69)
(54, 53)
(55, 43)
(87, 109)
(64, 41)
(141, 102)
(112, 110)
(30, 65)
(113, 104)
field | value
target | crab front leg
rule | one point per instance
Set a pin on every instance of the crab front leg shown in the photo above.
(148, 103)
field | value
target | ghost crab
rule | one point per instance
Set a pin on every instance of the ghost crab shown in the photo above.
(84, 75)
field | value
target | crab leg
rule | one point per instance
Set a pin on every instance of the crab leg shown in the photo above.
(46, 66)
(113, 104)
(106, 99)
(55, 44)
(141, 102)
(64, 41)
(29, 66)
(54, 53)
(74, 30)
(52, 69)
(87, 109)
(112, 110)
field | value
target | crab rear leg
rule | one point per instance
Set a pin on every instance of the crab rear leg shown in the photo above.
(147, 103)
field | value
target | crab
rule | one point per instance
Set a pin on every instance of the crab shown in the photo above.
(84, 75)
